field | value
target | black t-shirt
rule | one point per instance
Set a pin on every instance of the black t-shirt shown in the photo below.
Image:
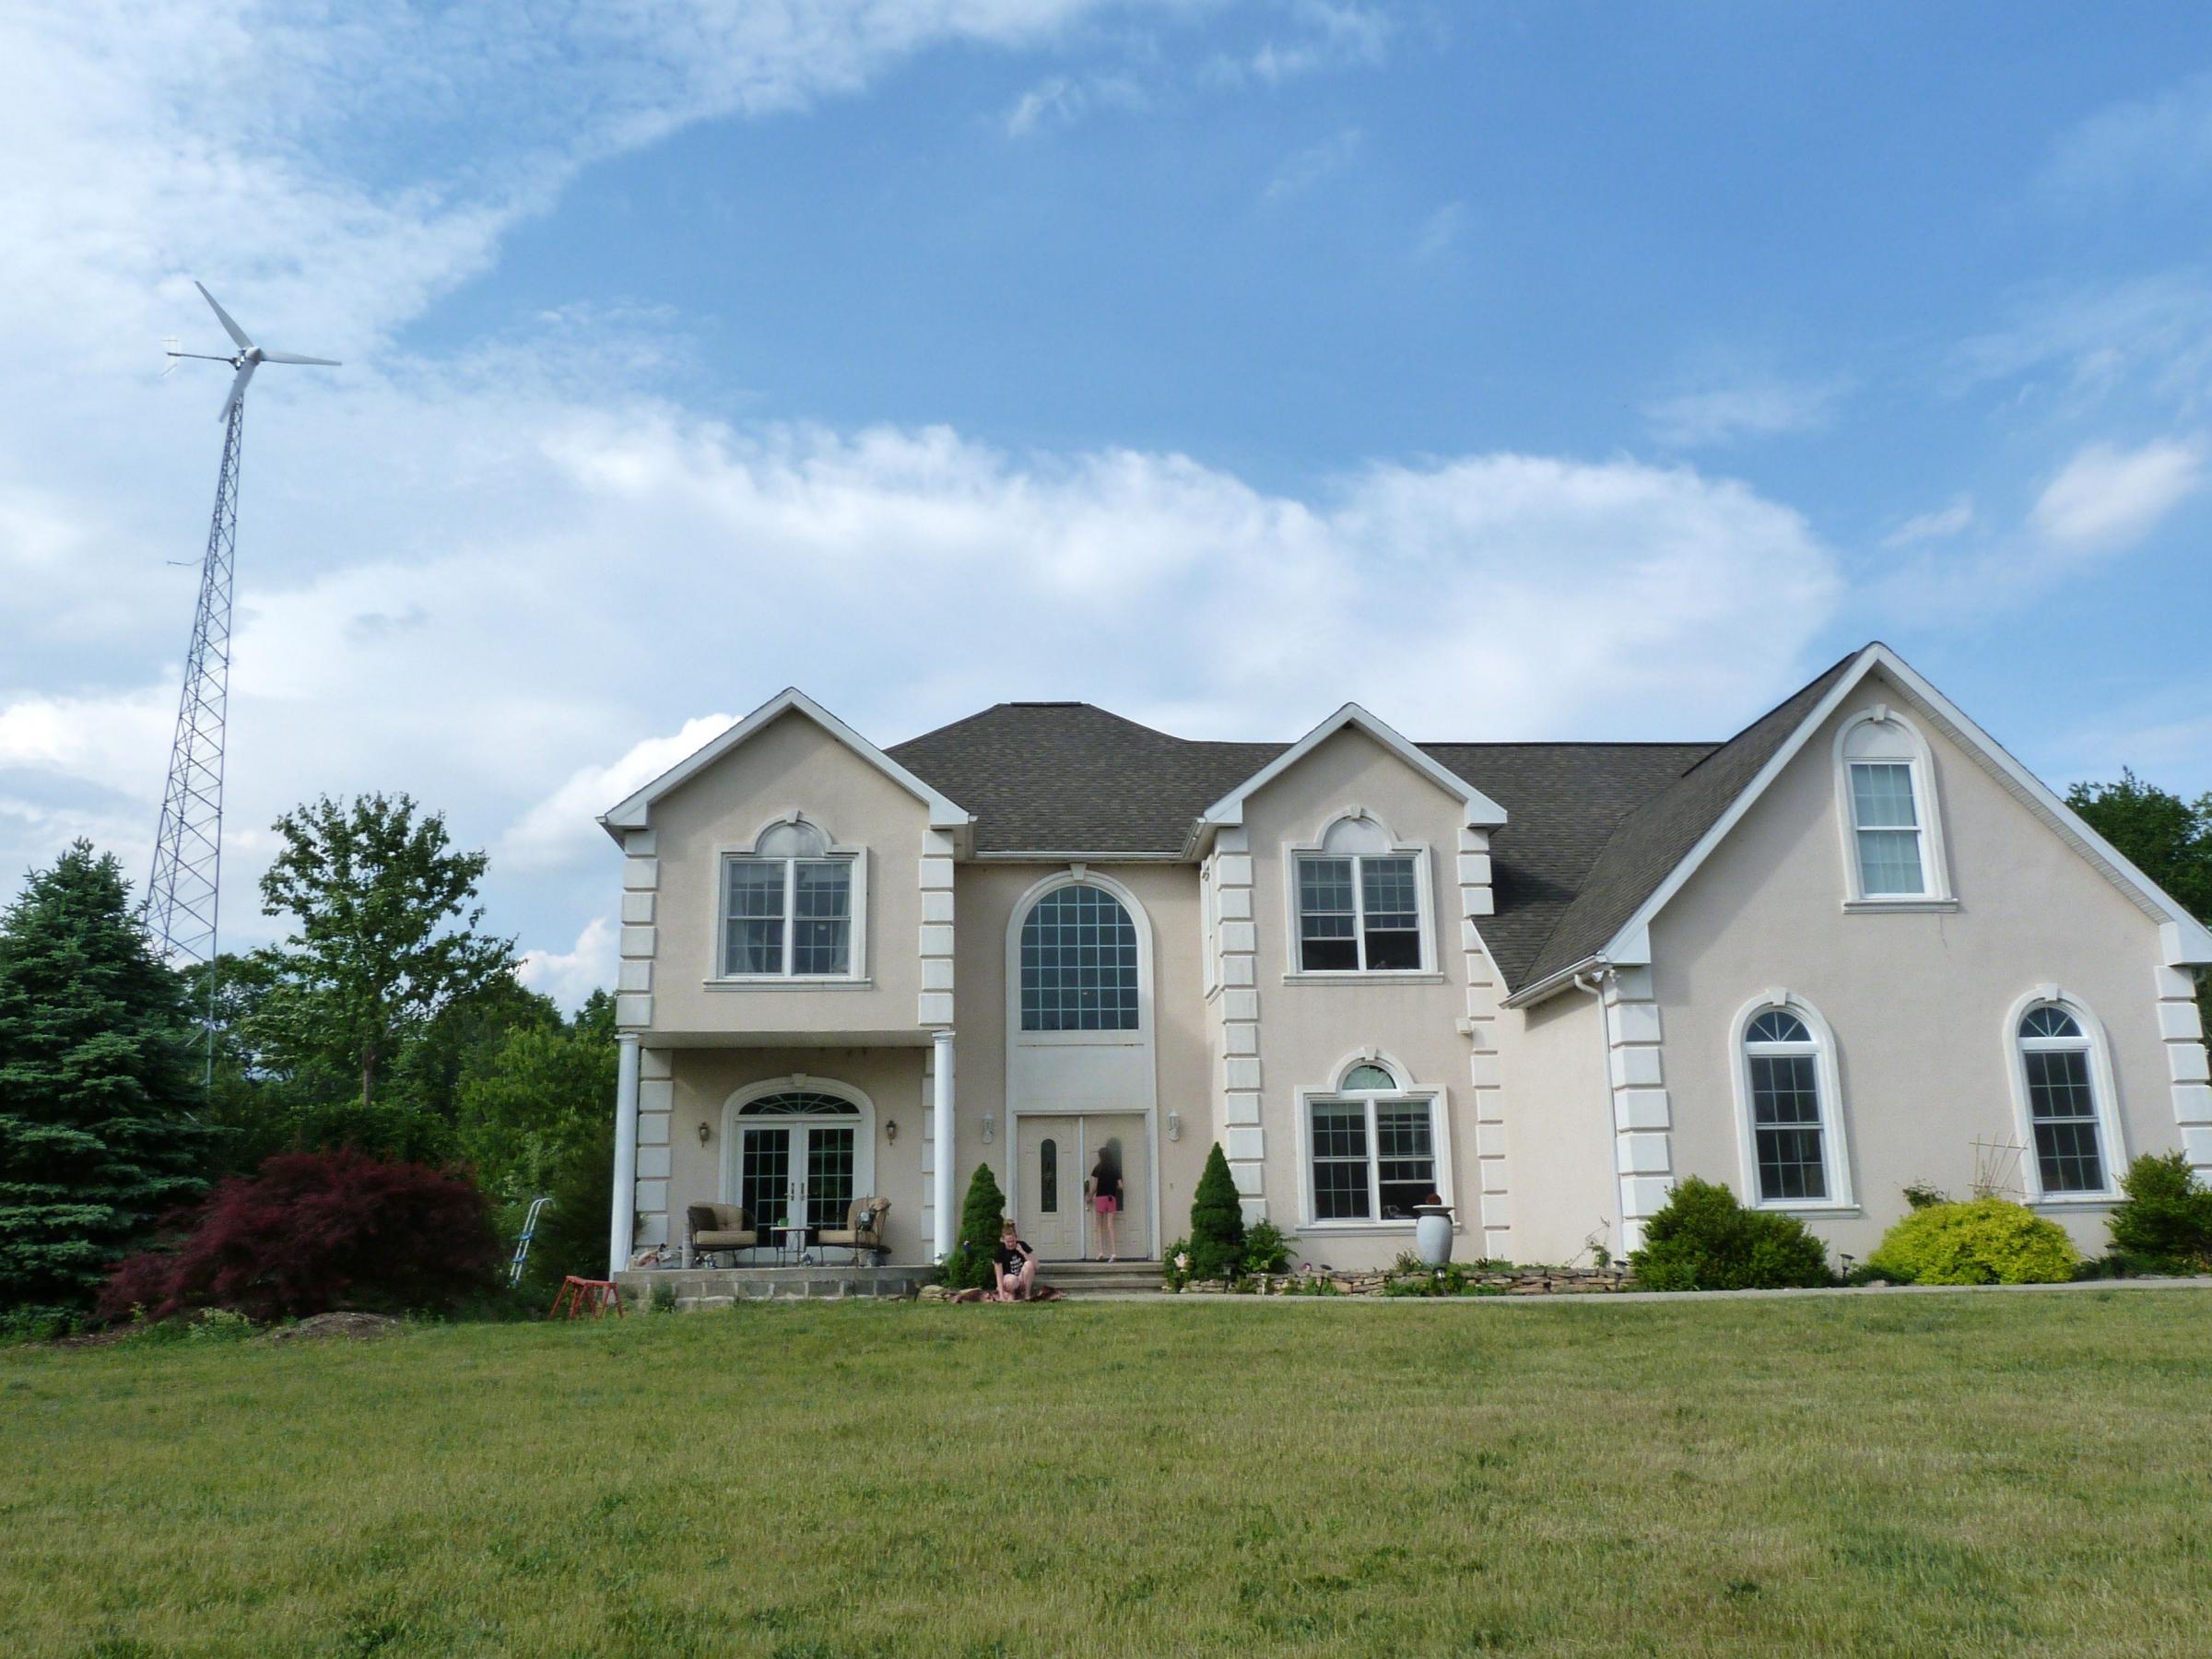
(1105, 1181)
(1010, 1257)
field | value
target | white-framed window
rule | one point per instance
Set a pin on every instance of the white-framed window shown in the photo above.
(791, 907)
(1886, 795)
(1789, 1107)
(1079, 966)
(2063, 1096)
(1373, 1149)
(1360, 902)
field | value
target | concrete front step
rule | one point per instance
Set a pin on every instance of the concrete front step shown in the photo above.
(1100, 1278)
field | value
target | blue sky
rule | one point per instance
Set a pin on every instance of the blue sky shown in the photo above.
(1516, 370)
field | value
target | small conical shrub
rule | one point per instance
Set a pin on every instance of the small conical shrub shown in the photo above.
(1217, 1222)
(969, 1266)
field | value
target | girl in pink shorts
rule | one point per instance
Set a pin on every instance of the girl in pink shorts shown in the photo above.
(1105, 1189)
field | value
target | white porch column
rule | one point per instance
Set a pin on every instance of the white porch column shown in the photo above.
(622, 1226)
(941, 1131)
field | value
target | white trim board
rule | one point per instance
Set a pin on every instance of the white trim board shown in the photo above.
(632, 812)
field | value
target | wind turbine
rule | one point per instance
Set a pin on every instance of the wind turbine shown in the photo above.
(181, 904)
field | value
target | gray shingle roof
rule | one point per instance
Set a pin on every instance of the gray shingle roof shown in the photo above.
(1592, 828)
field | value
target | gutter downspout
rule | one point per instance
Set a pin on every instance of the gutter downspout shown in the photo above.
(622, 1224)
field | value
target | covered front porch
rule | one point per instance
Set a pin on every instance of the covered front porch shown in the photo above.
(784, 1157)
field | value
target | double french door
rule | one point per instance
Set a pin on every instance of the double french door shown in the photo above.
(797, 1175)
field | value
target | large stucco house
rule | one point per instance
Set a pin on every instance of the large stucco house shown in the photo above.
(1854, 946)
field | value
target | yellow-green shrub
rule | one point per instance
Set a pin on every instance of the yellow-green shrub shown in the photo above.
(1986, 1241)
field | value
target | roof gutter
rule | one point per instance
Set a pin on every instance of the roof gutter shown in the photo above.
(1590, 968)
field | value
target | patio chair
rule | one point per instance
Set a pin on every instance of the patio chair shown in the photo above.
(715, 1228)
(863, 1229)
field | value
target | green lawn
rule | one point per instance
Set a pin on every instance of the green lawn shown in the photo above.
(1907, 1474)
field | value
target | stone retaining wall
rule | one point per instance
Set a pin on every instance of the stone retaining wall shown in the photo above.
(724, 1287)
(1530, 1281)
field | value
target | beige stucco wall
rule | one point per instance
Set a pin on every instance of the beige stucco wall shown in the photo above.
(1917, 1001)
(1308, 1028)
(1559, 1124)
(889, 1077)
(792, 765)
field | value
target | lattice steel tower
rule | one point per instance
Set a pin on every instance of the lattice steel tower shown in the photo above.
(183, 897)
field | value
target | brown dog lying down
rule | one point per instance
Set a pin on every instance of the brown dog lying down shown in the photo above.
(1036, 1293)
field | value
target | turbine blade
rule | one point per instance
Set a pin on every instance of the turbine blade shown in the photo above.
(238, 387)
(293, 357)
(236, 333)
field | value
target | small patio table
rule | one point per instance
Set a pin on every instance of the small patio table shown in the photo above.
(791, 1245)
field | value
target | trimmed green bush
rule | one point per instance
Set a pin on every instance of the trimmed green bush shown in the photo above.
(1217, 1222)
(2165, 1224)
(1265, 1249)
(969, 1266)
(1982, 1242)
(1703, 1239)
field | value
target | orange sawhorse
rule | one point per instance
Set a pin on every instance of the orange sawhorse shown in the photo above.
(578, 1295)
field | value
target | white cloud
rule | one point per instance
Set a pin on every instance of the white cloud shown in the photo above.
(1324, 34)
(1937, 524)
(2159, 143)
(1309, 167)
(1441, 232)
(2106, 498)
(1061, 101)
(570, 976)
(1714, 416)
(563, 827)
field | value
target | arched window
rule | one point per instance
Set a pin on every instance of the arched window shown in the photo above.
(796, 1152)
(1048, 1176)
(1079, 963)
(1791, 1129)
(788, 906)
(1886, 791)
(2064, 1087)
(1374, 1147)
(1358, 900)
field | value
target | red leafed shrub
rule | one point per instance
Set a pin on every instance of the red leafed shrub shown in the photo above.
(310, 1231)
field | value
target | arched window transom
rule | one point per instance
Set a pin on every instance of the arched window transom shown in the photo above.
(799, 1102)
(1079, 963)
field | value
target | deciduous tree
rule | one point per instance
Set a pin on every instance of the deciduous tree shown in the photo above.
(387, 935)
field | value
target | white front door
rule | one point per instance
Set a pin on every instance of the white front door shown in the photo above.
(1058, 1155)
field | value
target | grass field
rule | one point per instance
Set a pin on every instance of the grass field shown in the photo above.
(1930, 1475)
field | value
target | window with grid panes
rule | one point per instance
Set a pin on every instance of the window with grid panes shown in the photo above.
(2062, 1102)
(787, 907)
(1358, 914)
(1079, 963)
(1787, 1125)
(1372, 1157)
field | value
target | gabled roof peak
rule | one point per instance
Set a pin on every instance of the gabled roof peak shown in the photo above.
(634, 812)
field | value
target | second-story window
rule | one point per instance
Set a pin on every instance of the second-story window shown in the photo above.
(787, 907)
(1359, 903)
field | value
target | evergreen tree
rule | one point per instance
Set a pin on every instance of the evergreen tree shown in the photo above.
(97, 1077)
(1217, 1222)
(982, 1215)
(2170, 840)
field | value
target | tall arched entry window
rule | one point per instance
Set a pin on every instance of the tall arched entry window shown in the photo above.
(798, 1151)
(1079, 963)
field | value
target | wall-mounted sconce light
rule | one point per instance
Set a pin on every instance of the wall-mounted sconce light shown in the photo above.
(890, 1129)
(705, 1133)
(990, 1127)
(1175, 1126)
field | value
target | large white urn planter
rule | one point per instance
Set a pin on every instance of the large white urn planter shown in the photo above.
(1433, 1232)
